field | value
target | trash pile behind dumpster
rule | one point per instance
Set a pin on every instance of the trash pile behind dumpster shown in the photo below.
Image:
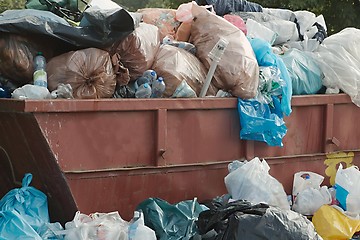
(255, 207)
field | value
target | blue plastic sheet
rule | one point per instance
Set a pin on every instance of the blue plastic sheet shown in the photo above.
(266, 57)
(13, 226)
(260, 123)
(29, 202)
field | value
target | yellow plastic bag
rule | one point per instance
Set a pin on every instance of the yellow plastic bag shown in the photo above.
(331, 224)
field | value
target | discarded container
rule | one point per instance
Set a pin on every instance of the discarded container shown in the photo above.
(84, 156)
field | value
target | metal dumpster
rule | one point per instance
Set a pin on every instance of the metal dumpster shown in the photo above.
(111, 154)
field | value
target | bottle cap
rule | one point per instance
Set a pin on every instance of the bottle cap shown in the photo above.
(161, 79)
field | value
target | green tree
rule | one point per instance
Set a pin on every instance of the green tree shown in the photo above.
(11, 4)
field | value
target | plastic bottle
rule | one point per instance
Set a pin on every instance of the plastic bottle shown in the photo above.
(184, 45)
(40, 75)
(158, 88)
(151, 75)
(144, 91)
(140, 81)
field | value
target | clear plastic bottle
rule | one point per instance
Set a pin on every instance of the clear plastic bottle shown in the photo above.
(158, 88)
(151, 75)
(144, 91)
(140, 81)
(40, 75)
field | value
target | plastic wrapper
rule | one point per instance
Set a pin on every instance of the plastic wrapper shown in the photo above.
(88, 71)
(175, 65)
(164, 19)
(270, 84)
(238, 70)
(138, 50)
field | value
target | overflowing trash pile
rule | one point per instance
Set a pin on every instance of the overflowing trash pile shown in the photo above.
(255, 207)
(215, 48)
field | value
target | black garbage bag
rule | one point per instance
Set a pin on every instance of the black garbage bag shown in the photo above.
(240, 220)
(223, 7)
(102, 28)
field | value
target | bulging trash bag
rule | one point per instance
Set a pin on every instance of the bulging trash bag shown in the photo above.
(332, 223)
(339, 59)
(171, 222)
(252, 182)
(241, 220)
(238, 71)
(138, 50)
(88, 71)
(164, 19)
(308, 201)
(223, 7)
(104, 226)
(17, 53)
(348, 189)
(29, 202)
(14, 226)
(304, 72)
(175, 65)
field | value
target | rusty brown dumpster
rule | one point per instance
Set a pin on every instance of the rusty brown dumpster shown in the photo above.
(111, 154)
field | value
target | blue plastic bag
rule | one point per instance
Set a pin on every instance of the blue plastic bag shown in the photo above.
(13, 226)
(260, 123)
(29, 202)
(266, 57)
(304, 72)
(171, 222)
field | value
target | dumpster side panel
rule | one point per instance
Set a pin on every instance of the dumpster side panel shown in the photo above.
(100, 140)
(23, 149)
(200, 136)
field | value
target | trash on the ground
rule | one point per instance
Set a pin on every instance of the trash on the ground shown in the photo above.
(348, 189)
(106, 226)
(88, 71)
(242, 220)
(24, 214)
(332, 223)
(171, 222)
(252, 182)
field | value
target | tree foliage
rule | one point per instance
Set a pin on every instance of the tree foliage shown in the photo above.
(11, 4)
